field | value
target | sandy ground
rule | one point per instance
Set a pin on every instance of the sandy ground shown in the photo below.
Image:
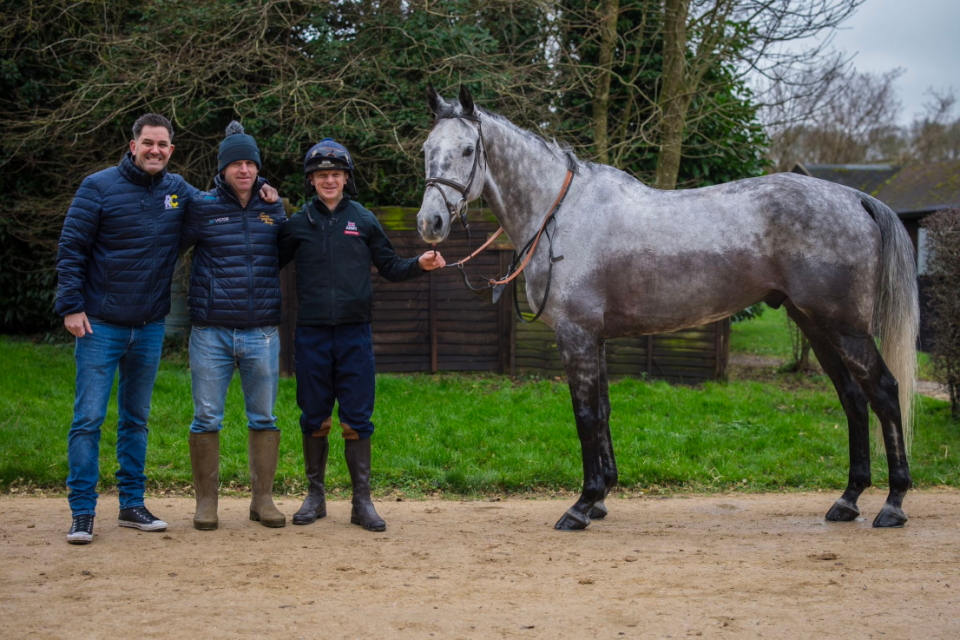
(713, 566)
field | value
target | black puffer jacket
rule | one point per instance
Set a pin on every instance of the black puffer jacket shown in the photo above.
(333, 253)
(235, 277)
(119, 244)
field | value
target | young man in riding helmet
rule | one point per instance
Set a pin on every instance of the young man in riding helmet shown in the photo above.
(234, 300)
(334, 240)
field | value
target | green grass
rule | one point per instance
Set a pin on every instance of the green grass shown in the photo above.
(482, 434)
(763, 336)
(768, 336)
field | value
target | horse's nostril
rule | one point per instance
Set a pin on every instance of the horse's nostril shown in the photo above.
(437, 225)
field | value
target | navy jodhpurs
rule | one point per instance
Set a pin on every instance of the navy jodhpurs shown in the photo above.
(335, 363)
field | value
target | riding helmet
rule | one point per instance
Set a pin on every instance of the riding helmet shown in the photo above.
(329, 154)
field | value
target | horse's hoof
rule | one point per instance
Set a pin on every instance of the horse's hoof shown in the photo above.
(843, 511)
(890, 517)
(572, 521)
(598, 511)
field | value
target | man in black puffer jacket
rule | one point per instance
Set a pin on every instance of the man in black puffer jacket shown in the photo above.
(334, 240)
(235, 308)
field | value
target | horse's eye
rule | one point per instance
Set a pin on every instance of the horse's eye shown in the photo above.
(467, 151)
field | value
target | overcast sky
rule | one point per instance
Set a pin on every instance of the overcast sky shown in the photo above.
(921, 36)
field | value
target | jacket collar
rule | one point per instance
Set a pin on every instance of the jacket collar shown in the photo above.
(322, 209)
(129, 170)
(225, 191)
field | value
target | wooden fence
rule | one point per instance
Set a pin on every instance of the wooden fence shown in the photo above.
(434, 323)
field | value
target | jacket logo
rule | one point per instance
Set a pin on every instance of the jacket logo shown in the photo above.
(216, 220)
(170, 202)
(265, 218)
(351, 229)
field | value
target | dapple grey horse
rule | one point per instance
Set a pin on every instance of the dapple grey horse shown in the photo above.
(639, 261)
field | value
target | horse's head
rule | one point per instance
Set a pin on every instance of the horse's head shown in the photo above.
(455, 164)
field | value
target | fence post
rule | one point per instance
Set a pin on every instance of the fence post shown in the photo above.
(506, 322)
(433, 321)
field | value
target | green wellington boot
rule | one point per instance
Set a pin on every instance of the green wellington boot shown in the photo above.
(358, 462)
(205, 463)
(315, 452)
(264, 452)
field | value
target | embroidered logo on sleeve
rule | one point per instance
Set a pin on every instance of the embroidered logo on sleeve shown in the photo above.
(351, 229)
(265, 218)
(170, 202)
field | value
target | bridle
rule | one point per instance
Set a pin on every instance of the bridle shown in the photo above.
(460, 210)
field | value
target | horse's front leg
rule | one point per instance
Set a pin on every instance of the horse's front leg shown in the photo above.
(581, 352)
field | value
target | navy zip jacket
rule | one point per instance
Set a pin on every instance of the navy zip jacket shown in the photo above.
(235, 277)
(333, 253)
(119, 244)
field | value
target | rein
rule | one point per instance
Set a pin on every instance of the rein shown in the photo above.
(460, 210)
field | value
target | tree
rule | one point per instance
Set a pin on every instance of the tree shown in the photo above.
(943, 237)
(722, 139)
(852, 119)
(74, 76)
(749, 35)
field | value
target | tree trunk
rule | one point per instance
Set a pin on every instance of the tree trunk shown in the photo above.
(601, 96)
(673, 97)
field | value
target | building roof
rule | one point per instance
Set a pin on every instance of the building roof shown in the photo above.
(923, 188)
(911, 191)
(862, 177)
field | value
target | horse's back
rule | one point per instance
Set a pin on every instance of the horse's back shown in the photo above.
(665, 260)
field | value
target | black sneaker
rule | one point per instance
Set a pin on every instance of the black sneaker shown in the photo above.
(81, 531)
(140, 518)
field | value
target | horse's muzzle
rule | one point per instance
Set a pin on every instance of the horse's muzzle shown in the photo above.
(433, 227)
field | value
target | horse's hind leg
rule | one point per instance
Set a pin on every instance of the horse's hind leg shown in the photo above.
(581, 352)
(854, 403)
(607, 460)
(863, 361)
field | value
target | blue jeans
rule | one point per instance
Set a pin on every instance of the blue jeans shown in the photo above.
(136, 351)
(214, 353)
(336, 364)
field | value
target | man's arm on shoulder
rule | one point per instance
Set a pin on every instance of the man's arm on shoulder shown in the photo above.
(268, 194)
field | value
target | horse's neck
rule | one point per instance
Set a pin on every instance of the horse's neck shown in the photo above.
(523, 180)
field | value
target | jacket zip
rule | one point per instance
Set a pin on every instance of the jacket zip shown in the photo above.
(333, 301)
(246, 239)
(153, 217)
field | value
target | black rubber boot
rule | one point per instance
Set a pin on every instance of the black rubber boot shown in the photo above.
(315, 463)
(358, 462)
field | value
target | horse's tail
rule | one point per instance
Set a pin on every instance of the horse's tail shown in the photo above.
(896, 312)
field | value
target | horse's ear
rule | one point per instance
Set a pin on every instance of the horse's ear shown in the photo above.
(466, 101)
(434, 101)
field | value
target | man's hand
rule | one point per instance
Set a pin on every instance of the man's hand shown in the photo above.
(77, 324)
(431, 260)
(269, 194)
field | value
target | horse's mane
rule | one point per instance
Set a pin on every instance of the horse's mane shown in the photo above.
(561, 152)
